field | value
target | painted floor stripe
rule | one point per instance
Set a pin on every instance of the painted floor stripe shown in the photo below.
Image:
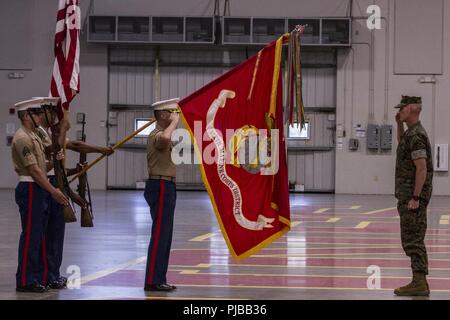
(332, 220)
(202, 237)
(286, 287)
(292, 265)
(380, 210)
(322, 210)
(303, 275)
(102, 273)
(362, 225)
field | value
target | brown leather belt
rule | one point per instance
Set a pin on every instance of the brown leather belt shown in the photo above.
(167, 178)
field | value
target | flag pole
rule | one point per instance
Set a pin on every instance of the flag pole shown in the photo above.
(117, 145)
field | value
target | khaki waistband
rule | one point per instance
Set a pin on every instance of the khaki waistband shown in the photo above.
(167, 178)
(25, 179)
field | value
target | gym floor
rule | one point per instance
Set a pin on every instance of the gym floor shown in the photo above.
(331, 252)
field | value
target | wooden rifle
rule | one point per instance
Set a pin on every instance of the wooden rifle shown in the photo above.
(83, 185)
(58, 166)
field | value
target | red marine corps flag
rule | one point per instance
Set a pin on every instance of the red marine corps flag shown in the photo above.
(65, 78)
(236, 123)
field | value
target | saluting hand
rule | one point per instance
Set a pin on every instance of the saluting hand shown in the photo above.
(174, 117)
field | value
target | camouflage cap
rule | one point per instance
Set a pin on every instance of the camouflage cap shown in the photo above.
(408, 100)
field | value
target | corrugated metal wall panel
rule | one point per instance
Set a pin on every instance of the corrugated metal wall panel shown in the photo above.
(134, 85)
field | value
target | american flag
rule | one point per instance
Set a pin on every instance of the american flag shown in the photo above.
(66, 69)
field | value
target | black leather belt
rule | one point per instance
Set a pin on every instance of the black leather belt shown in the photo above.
(167, 178)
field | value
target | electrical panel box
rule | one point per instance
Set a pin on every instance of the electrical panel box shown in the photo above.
(353, 144)
(386, 137)
(440, 157)
(373, 137)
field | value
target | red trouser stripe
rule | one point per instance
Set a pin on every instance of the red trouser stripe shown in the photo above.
(27, 234)
(152, 263)
(44, 259)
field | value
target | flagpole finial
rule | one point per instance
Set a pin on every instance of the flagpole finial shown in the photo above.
(300, 28)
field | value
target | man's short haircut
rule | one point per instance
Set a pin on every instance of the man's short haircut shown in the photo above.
(21, 114)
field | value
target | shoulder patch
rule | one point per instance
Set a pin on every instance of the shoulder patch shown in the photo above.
(26, 151)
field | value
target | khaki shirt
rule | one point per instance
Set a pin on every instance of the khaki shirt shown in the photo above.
(159, 160)
(46, 138)
(27, 149)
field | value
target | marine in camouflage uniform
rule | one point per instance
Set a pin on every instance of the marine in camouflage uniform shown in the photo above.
(413, 154)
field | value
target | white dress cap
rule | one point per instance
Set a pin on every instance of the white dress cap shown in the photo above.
(166, 104)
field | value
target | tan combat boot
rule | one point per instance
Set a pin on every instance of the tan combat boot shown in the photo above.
(417, 287)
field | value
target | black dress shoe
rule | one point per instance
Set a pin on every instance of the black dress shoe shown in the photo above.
(63, 280)
(160, 287)
(36, 288)
(57, 284)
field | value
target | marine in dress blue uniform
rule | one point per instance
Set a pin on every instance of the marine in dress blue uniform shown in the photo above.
(160, 194)
(32, 196)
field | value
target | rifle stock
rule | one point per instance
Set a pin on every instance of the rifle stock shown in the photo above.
(60, 172)
(61, 178)
(86, 210)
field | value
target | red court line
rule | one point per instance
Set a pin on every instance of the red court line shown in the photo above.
(369, 229)
(134, 278)
(187, 258)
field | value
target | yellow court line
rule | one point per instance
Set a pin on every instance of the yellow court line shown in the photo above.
(203, 237)
(323, 257)
(340, 227)
(305, 275)
(333, 255)
(355, 207)
(154, 297)
(332, 220)
(445, 219)
(322, 210)
(295, 223)
(350, 236)
(362, 225)
(191, 298)
(380, 210)
(366, 246)
(291, 265)
(306, 239)
(102, 273)
(189, 271)
(285, 287)
(309, 218)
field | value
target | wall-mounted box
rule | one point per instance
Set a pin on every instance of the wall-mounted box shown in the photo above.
(102, 28)
(133, 29)
(200, 29)
(373, 137)
(336, 31)
(265, 30)
(167, 29)
(353, 144)
(386, 137)
(236, 30)
(311, 35)
(440, 157)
